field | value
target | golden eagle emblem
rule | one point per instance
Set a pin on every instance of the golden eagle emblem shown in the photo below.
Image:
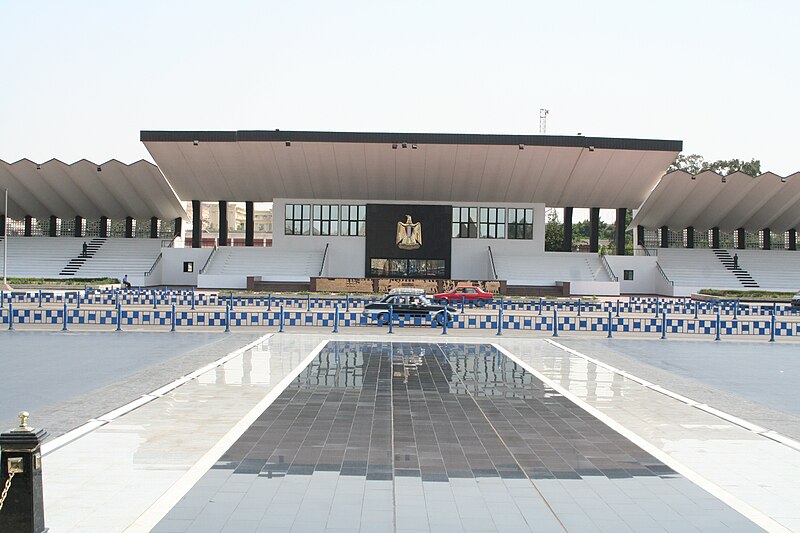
(409, 234)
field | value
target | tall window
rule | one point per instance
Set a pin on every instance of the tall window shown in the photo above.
(326, 220)
(354, 220)
(520, 223)
(465, 222)
(493, 223)
(298, 219)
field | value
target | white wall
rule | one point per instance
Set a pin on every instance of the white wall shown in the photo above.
(347, 255)
(644, 273)
(594, 288)
(172, 265)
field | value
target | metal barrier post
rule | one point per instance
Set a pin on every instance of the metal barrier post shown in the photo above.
(541, 305)
(718, 327)
(308, 303)
(21, 477)
(172, 318)
(391, 312)
(736, 309)
(462, 304)
(347, 303)
(610, 324)
(119, 317)
(10, 316)
(617, 308)
(500, 321)
(555, 321)
(444, 316)
(155, 297)
(2, 298)
(269, 302)
(696, 305)
(228, 317)
(657, 305)
(78, 299)
(336, 318)
(280, 322)
(580, 304)
(663, 324)
(64, 318)
(40, 298)
(772, 327)
(192, 298)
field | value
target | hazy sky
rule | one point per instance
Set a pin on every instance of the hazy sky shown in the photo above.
(80, 79)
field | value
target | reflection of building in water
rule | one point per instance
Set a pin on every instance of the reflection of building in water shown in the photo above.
(252, 368)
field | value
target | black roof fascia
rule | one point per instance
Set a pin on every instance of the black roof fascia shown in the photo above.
(577, 141)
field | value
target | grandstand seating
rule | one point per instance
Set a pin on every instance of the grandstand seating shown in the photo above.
(117, 257)
(698, 267)
(775, 270)
(269, 263)
(547, 268)
(47, 257)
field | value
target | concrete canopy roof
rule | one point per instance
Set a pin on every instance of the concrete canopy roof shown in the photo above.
(555, 170)
(86, 189)
(709, 200)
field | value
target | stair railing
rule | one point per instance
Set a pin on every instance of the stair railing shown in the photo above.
(152, 268)
(608, 268)
(205, 265)
(491, 263)
(664, 274)
(324, 256)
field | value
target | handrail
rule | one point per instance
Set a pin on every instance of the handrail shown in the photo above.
(157, 261)
(648, 252)
(664, 274)
(168, 243)
(205, 265)
(324, 255)
(608, 268)
(491, 262)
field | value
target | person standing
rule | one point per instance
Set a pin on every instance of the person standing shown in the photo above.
(735, 261)
(85, 250)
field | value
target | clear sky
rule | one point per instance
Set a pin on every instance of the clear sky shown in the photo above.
(80, 79)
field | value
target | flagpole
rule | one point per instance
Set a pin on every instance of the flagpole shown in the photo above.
(5, 240)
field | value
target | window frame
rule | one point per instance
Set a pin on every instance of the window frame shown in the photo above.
(490, 223)
(300, 219)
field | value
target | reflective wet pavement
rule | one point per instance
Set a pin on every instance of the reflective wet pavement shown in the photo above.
(413, 436)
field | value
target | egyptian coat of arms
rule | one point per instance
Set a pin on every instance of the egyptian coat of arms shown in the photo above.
(409, 234)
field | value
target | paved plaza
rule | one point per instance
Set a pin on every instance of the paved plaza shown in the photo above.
(416, 431)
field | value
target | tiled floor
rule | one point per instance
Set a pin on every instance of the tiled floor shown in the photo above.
(417, 436)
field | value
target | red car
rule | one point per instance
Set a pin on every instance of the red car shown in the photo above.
(468, 293)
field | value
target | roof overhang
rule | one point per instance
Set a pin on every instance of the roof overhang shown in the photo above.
(87, 189)
(708, 200)
(574, 171)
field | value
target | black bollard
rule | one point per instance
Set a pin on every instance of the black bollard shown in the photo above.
(22, 508)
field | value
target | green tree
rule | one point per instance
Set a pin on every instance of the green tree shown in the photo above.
(695, 164)
(553, 233)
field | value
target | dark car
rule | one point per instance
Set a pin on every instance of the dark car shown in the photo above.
(466, 293)
(408, 302)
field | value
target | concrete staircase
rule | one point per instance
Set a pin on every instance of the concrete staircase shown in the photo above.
(75, 263)
(741, 274)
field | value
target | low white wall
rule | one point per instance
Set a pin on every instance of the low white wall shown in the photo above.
(172, 260)
(219, 281)
(645, 274)
(594, 288)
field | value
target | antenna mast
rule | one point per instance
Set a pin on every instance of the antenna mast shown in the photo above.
(543, 120)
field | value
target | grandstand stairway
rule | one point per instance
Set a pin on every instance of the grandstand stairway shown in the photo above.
(741, 274)
(76, 262)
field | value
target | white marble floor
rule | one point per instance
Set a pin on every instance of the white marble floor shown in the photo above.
(127, 474)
